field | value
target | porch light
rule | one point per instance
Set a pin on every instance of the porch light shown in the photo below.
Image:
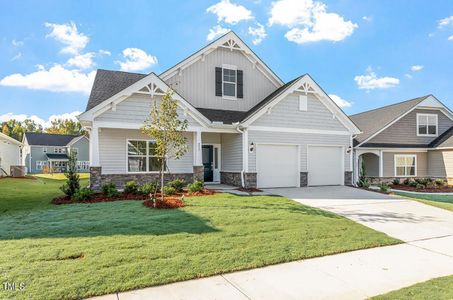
(252, 147)
(349, 149)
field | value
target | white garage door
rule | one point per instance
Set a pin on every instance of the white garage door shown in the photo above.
(277, 166)
(325, 165)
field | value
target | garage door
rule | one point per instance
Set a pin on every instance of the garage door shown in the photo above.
(325, 165)
(277, 166)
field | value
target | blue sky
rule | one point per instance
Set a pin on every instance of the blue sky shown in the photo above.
(367, 53)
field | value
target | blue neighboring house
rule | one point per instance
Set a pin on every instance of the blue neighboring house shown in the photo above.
(52, 150)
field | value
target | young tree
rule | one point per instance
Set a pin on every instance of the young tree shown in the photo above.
(166, 128)
(65, 126)
(72, 184)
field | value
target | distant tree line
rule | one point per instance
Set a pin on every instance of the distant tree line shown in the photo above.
(16, 129)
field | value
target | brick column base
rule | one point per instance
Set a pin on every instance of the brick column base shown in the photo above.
(250, 180)
(303, 179)
(95, 178)
(198, 173)
(348, 178)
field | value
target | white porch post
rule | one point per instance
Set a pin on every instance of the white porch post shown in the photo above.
(94, 147)
(197, 148)
(381, 164)
(245, 152)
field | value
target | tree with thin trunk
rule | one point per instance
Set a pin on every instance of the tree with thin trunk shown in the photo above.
(166, 128)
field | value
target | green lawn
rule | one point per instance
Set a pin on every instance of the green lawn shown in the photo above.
(439, 289)
(441, 201)
(79, 250)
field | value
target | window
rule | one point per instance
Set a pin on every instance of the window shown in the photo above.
(40, 164)
(141, 157)
(426, 125)
(405, 165)
(83, 165)
(59, 150)
(303, 99)
(229, 82)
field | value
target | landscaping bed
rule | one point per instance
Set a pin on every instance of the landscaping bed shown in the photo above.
(439, 189)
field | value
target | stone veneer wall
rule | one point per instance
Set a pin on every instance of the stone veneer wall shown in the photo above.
(234, 179)
(348, 178)
(250, 180)
(303, 179)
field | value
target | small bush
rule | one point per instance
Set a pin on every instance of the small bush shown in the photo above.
(423, 181)
(440, 182)
(148, 188)
(431, 185)
(131, 187)
(110, 190)
(177, 184)
(406, 181)
(364, 183)
(396, 181)
(169, 190)
(419, 186)
(413, 183)
(384, 187)
(82, 195)
(196, 186)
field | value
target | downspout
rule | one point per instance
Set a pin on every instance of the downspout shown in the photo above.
(354, 167)
(243, 171)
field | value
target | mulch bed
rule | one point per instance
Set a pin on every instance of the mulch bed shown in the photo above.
(249, 190)
(443, 189)
(169, 202)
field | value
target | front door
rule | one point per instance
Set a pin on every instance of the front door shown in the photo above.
(211, 163)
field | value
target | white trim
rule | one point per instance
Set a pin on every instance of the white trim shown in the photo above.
(381, 163)
(331, 145)
(245, 152)
(138, 126)
(235, 69)
(427, 117)
(147, 156)
(395, 156)
(219, 160)
(75, 140)
(297, 130)
(10, 139)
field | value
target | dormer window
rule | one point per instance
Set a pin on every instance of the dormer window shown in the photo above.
(427, 125)
(229, 82)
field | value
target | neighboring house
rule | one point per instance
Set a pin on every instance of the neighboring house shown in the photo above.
(9, 154)
(246, 126)
(43, 150)
(407, 139)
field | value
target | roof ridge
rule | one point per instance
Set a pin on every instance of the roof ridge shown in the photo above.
(119, 71)
(389, 105)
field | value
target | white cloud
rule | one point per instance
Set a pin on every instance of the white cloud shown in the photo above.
(81, 61)
(370, 81)
(416, 68)
(17, 43)
(340, 101)
(44, 123)
(55, 79)
(17, 56)
(215, 32)
(450, 38)
(367, 18)
(409, 76)
(309, 21)
(136, 60)
(68, 35)
(258, 33)
(105, 52)
(445, 22)
(230, 13)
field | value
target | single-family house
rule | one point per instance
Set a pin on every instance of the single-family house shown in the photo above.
(10, 151)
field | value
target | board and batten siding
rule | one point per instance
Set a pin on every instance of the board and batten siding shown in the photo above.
(440, 163)
(136, 109)
(404, 131)
(231, 152)
(196, 83)
(301, 139)
(389, 163)
(113, 151)
(286, 113)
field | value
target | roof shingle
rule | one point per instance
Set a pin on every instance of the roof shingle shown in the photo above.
(48, 139)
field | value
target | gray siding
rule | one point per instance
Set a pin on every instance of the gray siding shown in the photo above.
(197, 83)
(136, 109)
(287, 114)
(231, 152)
(37, 154)
(112, 151)
(83, 149)
(440, 163)
(303, 140)
(405, 130)
(210, 138)
(389, 163)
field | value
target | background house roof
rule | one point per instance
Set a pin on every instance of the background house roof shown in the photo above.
(57, 156)
(48, 139)
(373, 120)
(108, 83)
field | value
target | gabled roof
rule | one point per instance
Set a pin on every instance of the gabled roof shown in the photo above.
(57, 156)
(224, 116)
(9, 139)
(443, 140)
(370, 122)
(48, 139)
(108, 83)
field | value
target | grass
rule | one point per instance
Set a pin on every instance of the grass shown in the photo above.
(441, 201)
(439, 289)
(60, 176)
(81, 250)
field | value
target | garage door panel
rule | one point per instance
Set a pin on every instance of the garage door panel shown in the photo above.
(325, 165)
(277, 165)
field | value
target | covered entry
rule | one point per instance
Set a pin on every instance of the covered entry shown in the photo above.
(277, 165)
(325, 165)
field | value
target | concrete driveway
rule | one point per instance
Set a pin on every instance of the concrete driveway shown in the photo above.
(401, 218)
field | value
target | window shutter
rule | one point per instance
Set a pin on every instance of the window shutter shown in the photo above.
(240, 78)
(218, 81)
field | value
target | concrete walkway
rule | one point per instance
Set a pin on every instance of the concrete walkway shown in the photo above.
(427, 253)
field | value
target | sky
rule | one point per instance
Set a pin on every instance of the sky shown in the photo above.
(364, 54)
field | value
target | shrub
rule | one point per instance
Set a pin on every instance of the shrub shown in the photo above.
(196, 186)
(423, 181)
(131, 187)
(406, 181)
(72, 184)
(110, 190)
(148, 188)
(431, 185)
(419, 186)
(384, 187)
(413, 183)
(82, 195)
(177, 184)
(364, 183)
(396, 181)
(440, 182)
(169, 190)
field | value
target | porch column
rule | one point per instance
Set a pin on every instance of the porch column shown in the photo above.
(94, 147)
(245, 150)
(197, 159)
(381, 164)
